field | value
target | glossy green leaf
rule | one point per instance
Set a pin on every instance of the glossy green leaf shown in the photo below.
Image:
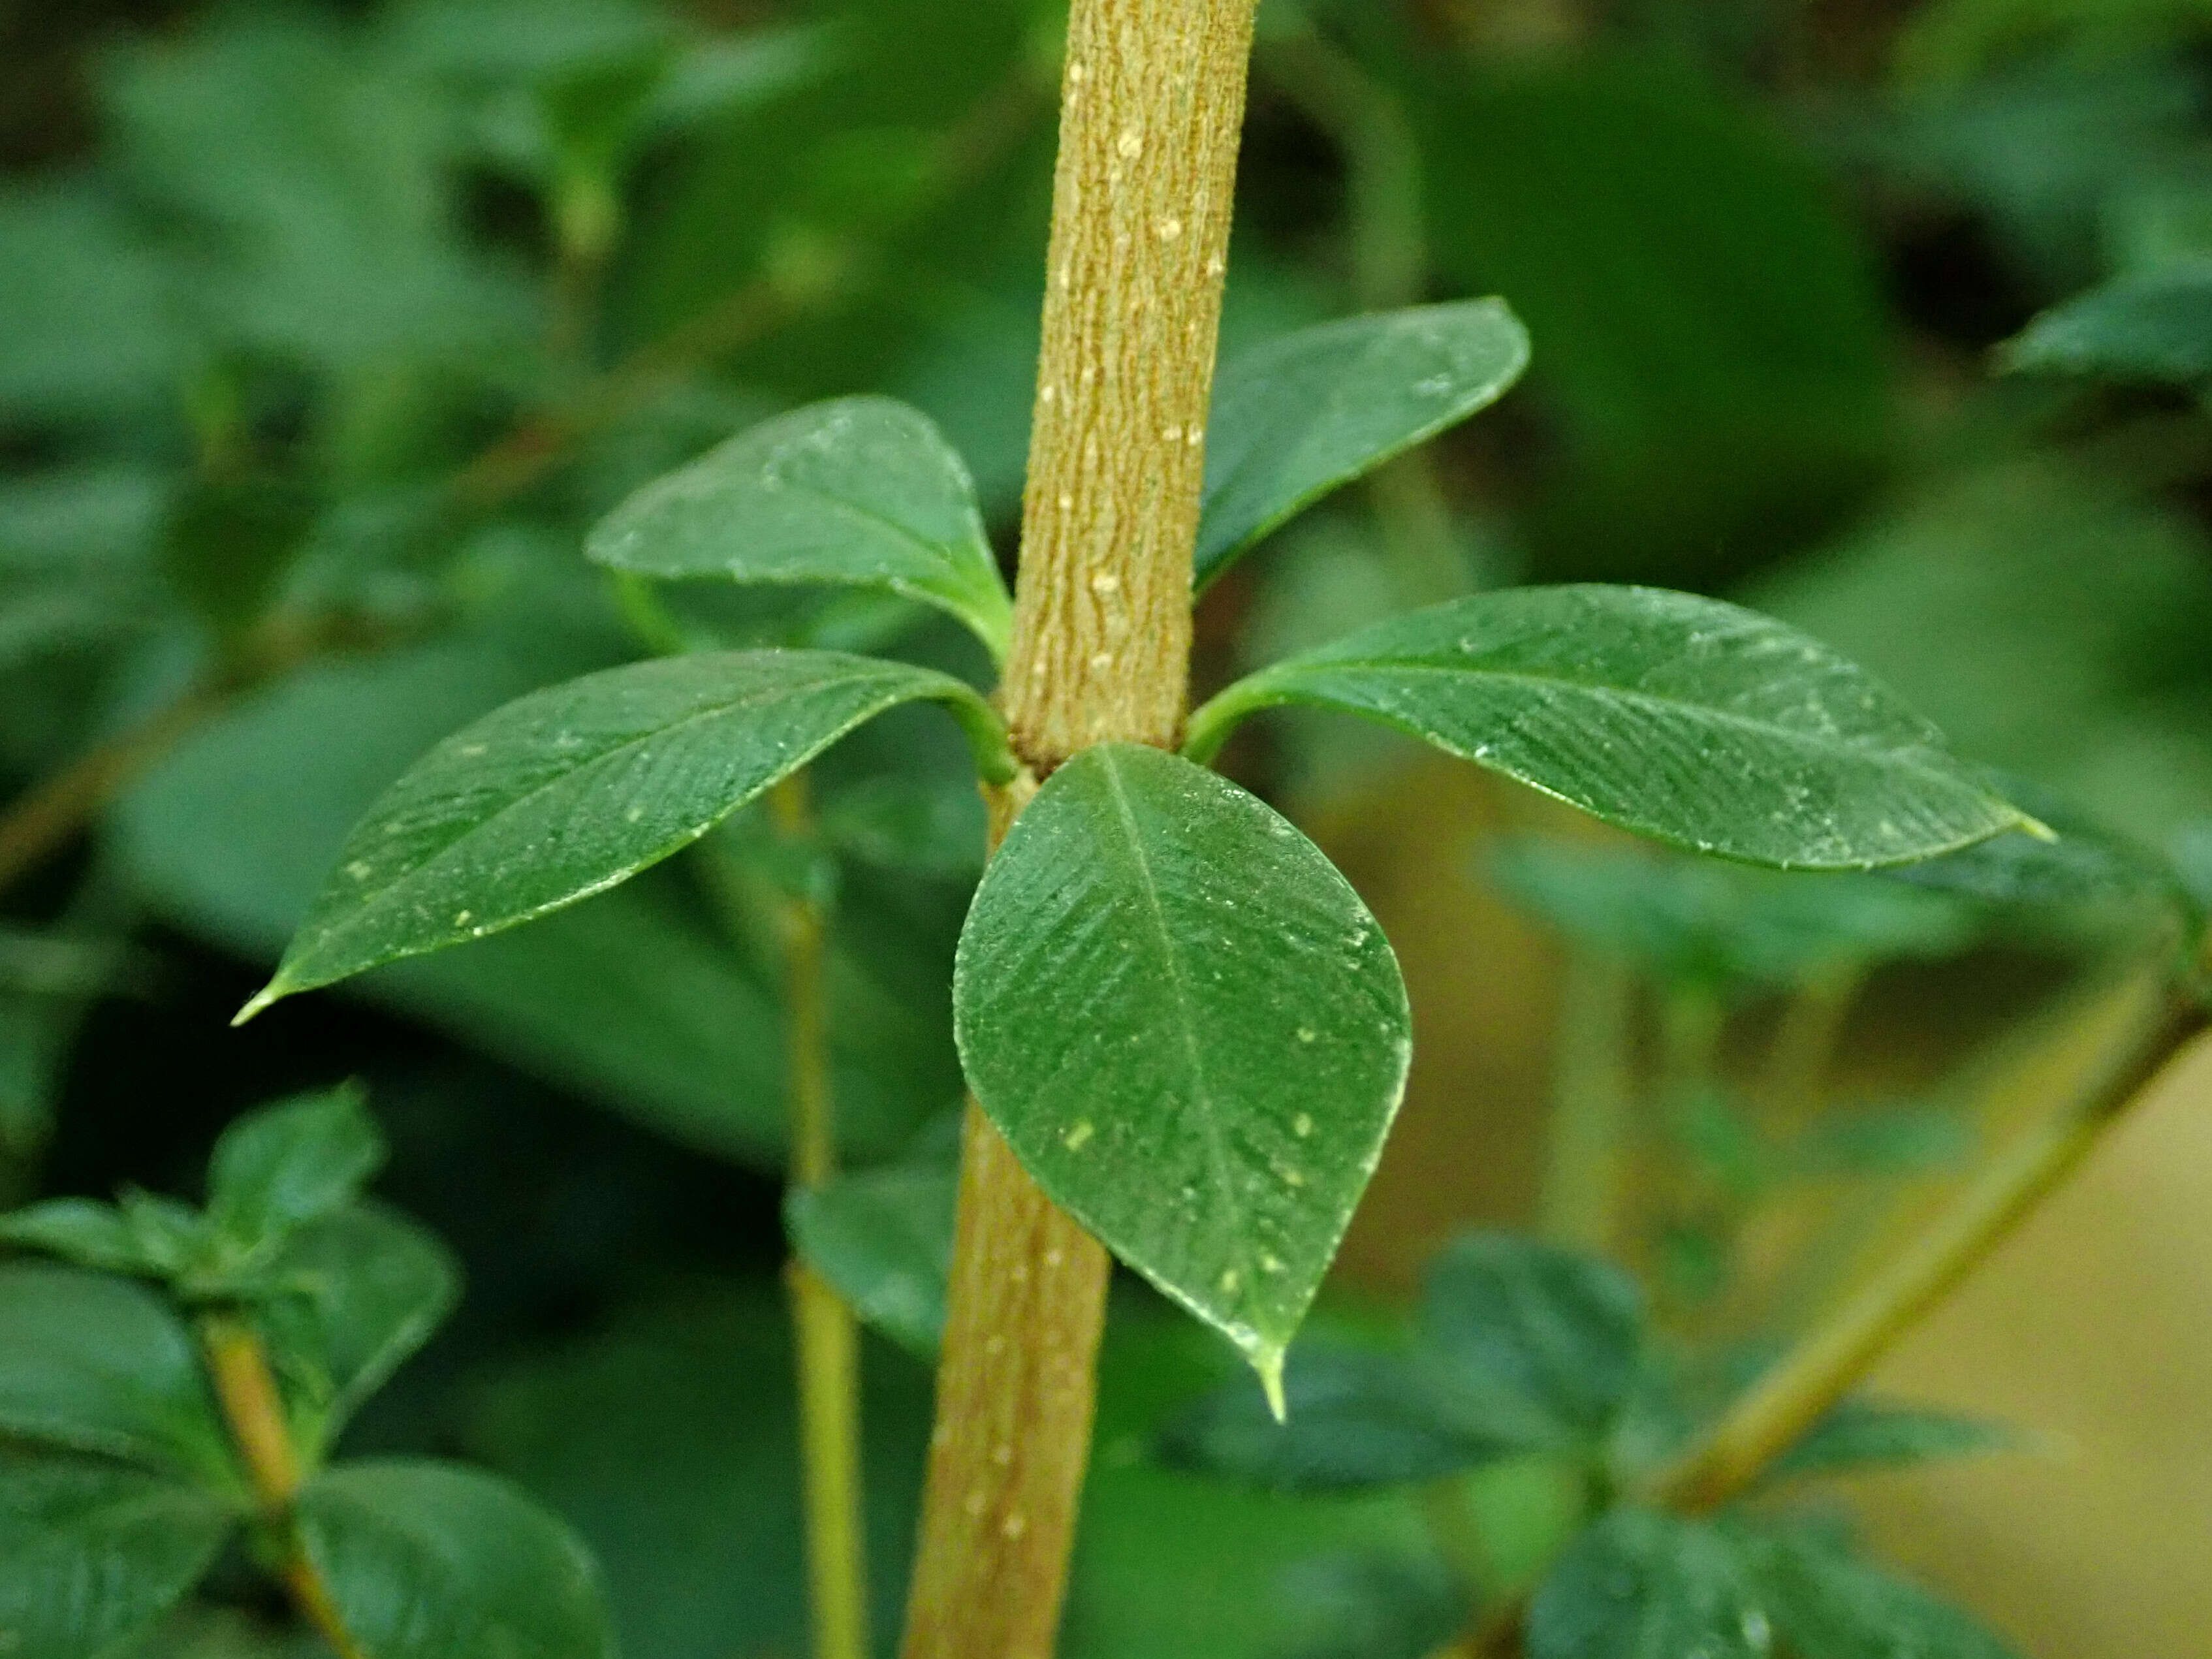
(1694, 722)
(428, 1560)
(292, 1163)
(100, 1365)
(80, 1231)
(884, 1238)
(863, 491)
(1642, 1585)
(2148, 325)
(1190, 1030)
(570, 790)
(356, 1294)
(1857, 1434)
(1302, 415)
(1824, 1602)
(1354, 1421)
(1532, 1345)
(92, 1554)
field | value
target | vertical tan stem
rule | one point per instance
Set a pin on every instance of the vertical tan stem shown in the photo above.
(1152, 101)
(1152, 106)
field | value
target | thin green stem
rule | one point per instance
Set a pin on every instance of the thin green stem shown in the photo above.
(827, 1336)
(253, 1411)
(1830, 1362)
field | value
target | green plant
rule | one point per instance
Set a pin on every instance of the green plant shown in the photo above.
(183, 1381)
(1184, 1033)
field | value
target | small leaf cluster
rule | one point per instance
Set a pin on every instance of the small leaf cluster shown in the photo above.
(173, 1378)
(1182, 1018)
(1522, 1350)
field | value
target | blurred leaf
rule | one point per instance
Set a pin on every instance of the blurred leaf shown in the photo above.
(1680, 718)
(1967, 598)
(668, 1439)
(311, 166)
(1709, 332)
(1354, 1421)
(2148, 325)
(176, 1238)
(203, 1632)
(1858, 1433)
(88, 328)
(102, 1365)
(883, 1238)
(1953, 41)
(34, 1034)
(2038, 152)
(281, 1166)
(1640, 1582)
(936, 828)
(1529, 1346)
(92, 1554)
(81, 1232)
(1189, 1028)
(1371, 1605)
(1826, 1604)
(1297, 418)
(2088, 878)
(570, 790)
(427, 1560)
(1878, 1140)
(1700, 921)
(229, 543)
(861, 492)
(356, 1293)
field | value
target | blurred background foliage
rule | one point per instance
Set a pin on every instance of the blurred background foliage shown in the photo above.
(325, 329)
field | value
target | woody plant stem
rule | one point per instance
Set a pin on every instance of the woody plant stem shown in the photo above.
(1151, 105)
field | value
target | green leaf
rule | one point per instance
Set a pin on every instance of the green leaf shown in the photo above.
(1354, 1421)
(863, 491)
(1859, 1433)
(1826, 1604)
(2146, 325)
(1370, 1604)
(1189, 1028)
(230, 543)
(1302, 415)
(570, 790)
(100, 1365)
(92, 1554)
(361, 1290)
(292, 1163)
(883, 1237)
(1642, 1585)
(80, 1231)
(1533, 1347)
(427, 1560)
(1684, 718)
(1706, 923)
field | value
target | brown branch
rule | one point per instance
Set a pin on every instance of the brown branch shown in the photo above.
(1152, 106)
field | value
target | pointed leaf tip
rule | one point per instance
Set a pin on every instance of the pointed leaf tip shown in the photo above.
(1189, 1028)
(1269, 1363)
(266, 997)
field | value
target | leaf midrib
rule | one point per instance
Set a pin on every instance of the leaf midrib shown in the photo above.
(1217, 1153)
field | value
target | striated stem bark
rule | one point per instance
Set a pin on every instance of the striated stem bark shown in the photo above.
(1151, 107)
